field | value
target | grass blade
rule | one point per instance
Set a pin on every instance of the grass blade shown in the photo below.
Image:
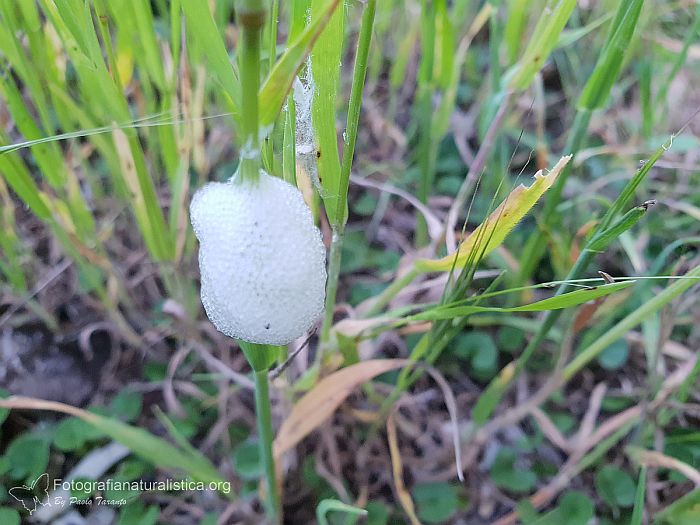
(639, 497)
(276, 88)
(325, 67)
(652, 306)
(597, 90)
(497, 226)
(202, 28)
(151, 448)
(558, 302)
(545, 37)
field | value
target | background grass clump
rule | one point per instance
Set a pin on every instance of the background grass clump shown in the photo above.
(489, 353)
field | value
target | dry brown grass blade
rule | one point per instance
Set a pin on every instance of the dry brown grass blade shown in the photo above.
(451, 405)
(550, 430)
(652, 458)
(585, 443)
(355, 327)
(30, 403)
(397, 470)
(320, 402)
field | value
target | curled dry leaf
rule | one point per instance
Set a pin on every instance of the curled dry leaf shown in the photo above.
(320, 402)
(397, 472)
(355, 327)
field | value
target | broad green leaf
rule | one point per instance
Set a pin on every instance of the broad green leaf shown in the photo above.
(3, 411)
(246, 460)
(615, 355)
(377, 513)
(137, 513)
(480, 350)
(615, 486)
(28, 456)
(274, 91)
(73, 433)
(436, 502)
(575, 508)
(139, 441)
(507, 476)
(491, 233)
(127, 405)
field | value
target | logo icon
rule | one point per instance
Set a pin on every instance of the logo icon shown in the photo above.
(29, 496)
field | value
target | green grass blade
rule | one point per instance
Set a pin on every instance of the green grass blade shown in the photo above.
(516, 23)
(639, 497)
(597, 90)
(202, 28)
(423, 118)
(325, 67)
(141, 442)
(558, 302)
(625, 325)
(142, 19)
(690, 38)
(276, 88)
(544, 39)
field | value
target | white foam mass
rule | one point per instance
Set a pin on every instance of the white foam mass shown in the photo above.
(261, 258)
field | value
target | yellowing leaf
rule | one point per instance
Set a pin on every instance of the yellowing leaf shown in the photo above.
(125, 65)
(320, 403)
(491, 233)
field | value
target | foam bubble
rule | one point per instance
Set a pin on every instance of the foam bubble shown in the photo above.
(261, 258)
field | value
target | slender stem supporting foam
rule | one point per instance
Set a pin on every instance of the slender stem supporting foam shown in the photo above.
(251, 17)
(264, 421)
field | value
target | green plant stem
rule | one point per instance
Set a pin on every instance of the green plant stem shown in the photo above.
(264, 421)
(251, 16)
(267, 145)
(620, 329)
(426, 158)
(354, 107)
(334, 260)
